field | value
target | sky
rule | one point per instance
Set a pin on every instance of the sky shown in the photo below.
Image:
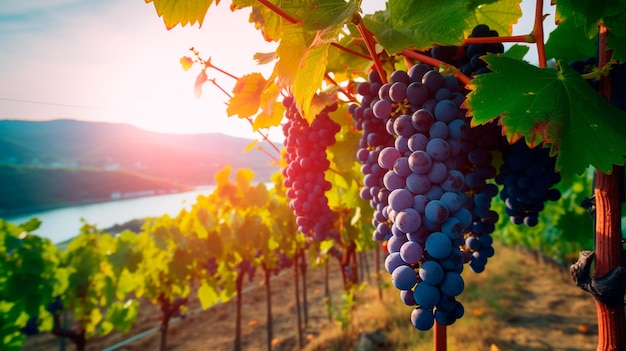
(115, 61)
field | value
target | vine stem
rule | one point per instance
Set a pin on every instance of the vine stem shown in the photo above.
(263, 135)
(342, 90)
(538, 34)
(371, 47)
(437, 63)
(527, 38)
(611, 323)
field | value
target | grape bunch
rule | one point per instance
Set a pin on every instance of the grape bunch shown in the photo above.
(478, 145)
(527, 176)
(31, 327)
(305, 147)
(420, 206)
(467, 57)
(374, 139)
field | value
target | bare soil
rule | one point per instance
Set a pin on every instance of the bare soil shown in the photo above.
(526, 305)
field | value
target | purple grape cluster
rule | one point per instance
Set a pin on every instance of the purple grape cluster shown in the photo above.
(467, 57)
(415, 181)
(527, 177)
(373, 140)
(305, 147)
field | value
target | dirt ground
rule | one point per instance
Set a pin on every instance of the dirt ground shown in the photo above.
(540, 310)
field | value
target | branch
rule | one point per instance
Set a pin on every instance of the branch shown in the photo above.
(538, 33)
(528, 38)
(371, 47)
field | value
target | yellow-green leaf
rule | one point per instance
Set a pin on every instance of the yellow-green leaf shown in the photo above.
(183, 12)
(207, 296)
(246, 98)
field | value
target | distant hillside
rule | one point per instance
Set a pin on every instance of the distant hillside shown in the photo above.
(29, 188)
(185, 159)
(63, 162)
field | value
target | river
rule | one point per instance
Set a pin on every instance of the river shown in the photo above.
(64, 223)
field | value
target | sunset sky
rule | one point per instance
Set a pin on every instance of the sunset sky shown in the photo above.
(115, 61)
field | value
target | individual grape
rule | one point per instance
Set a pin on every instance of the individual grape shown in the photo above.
(420, 162)
(422, 318)
(418, 183)
(408, 220)
(436, 211)
(445, 111)
(388, 157)
(425, 295)
(452, 284)
(407, 297)
(431, 273)
(422, 120)
(393, 261)
(438, 149)
(411, 252)
(433, 81)
(404, 278)
(400, 199)
(438, 245)
(397, 92)
(416, 93)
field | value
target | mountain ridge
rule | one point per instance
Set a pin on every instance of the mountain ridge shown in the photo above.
(63, 162)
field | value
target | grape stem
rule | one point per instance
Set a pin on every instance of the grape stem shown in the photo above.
(538, 34)
(527, 38)
(208, 64)
(350, 97)
(371, 46)
(437, 63)
(263, 135)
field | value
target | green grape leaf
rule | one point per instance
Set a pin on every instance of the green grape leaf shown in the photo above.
(330, 13)
(517, 51)
(550, 106)
(421, 23)
(571, 41)
(588, 14)
(498, 15)
(183, 12)
(246, 95)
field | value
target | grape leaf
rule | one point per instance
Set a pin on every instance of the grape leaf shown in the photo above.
(500, 16)
(556, 107)
(420, 24)
(246, 95)
(183, 12)
(311, 73)
(571, 40)
(186, 62)
(330, 13)
(517, 51)
(589, 14)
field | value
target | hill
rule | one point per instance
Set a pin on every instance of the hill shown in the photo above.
(68, 161)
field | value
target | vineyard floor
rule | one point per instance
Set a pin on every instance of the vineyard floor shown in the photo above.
(517, 304)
